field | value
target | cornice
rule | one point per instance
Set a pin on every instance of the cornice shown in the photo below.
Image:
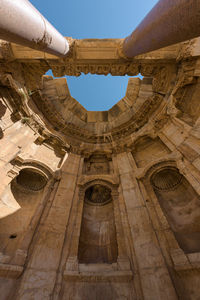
(21, 80)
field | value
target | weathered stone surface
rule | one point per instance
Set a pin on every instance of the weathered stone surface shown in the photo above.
(109, 208)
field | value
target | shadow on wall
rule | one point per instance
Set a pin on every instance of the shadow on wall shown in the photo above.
(147, 150)
(181, 206)
(3, 109)
(21, 197)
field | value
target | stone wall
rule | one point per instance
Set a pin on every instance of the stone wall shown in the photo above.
(100, 205)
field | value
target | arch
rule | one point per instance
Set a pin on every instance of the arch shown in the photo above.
(37, 165)
(164, 163)
(109, 183)
(166, 179)
(98, 194)
(31, 179)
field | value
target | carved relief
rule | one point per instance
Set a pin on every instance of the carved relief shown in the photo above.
(149, 70)
(163, 78)
(133, 89)
(186, 75)
(160, 122)
(71, 69)
(187, 102)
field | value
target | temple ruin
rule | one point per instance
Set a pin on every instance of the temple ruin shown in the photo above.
(100, 205)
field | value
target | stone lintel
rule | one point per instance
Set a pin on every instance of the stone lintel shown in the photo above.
(10, 271)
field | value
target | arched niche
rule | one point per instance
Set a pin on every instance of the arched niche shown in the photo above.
(31, 180)
(147, 150)
(23, 195)
(98, 242)
(181, 206)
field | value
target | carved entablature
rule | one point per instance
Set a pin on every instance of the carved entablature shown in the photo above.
(115, 69)
(95, 56)
(138, 119)
(47, 104)
(160, 123)
(187, 87)
(96, 164)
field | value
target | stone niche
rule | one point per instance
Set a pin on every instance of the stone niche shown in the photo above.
(189, 111)
(98, 243)
(31, 180)
(96, 164)
(22, 197)
(181, 206)
(147, 150)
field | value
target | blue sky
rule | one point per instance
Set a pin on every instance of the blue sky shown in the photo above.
(95, 19)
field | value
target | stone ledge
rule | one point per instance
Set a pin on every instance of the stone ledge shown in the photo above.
(10, 271)
(194, 259)
(185, 262)
(112, 276)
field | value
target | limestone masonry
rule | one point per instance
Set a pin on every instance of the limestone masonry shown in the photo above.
(100, 205)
